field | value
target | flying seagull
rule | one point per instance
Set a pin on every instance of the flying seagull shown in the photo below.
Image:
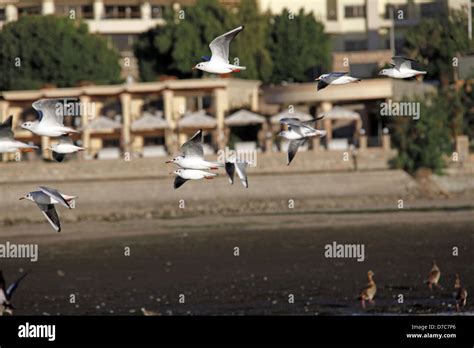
(240, 168)
(7, 293)
(8, 143)
(46, 198)
(63, 147)
(298, 133)
(50, 122)
(401, 69)
(334, 78)
(219, 62)
(183, 175)
(192, 155)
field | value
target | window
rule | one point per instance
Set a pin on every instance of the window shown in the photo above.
(157, 11)
(31, 10)
(355, 45)
(431, 10)
(78, 11)
(123, 42)
(117, 12)
(3, 16)
(355, 11)
(331, 6)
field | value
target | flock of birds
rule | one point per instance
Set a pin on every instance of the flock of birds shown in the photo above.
(460, 293)
(191, 162)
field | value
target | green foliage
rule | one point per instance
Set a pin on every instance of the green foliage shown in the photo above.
(299, 47)
(437, 41)
(272, 50)
(55, 51)
(423, 143)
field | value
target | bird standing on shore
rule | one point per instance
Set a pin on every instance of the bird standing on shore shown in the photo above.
(433, 276)
(51, 119)
(368, 293)
(7, 142)
(401, 69)
(298, 133)
(6, 294)
(45, 199)
(334, 78)
(461, 293)
(219, 62)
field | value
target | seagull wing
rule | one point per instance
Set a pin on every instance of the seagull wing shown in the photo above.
(193, 147)
(402, 63)
(11, 289)
(293, 148)
(230, 170)
(59, 157)
(3, 294)
(295, 123)
(178, 182)
(321, 85)
(6, 129)
(335, 75)
(51, 215)
(55, 195)
(241, 168)
(220, 45)
(310, 122)
(47, 111)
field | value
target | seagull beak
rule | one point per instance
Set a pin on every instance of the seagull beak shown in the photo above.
(317, 79)
(193, 68)
(169, 161)
(171, 173)
(21, 198)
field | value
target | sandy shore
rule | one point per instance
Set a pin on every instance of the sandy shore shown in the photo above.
(280, 254)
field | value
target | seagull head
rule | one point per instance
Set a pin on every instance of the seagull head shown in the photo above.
(323, 76)
(200, 66)
(177, 172)
(28, 197)
(28, 125)
(176, 160)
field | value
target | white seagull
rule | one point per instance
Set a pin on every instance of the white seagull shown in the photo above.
(240, 168)
(8, 143)
(401, 69)
(63, 147)
(334, 78)
(298, 133)
(192, 156)
(219, 62)
(46, 198)
(50, 122)
(183, 175)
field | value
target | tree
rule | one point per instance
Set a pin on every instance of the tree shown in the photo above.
(423, 143)
(38, 50)
(298, 46)
(438, 41)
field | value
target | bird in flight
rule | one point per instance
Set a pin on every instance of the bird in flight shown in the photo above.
(7, 142)
(298, 133)
(334, 78)
(401, 69)
(219, 61)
